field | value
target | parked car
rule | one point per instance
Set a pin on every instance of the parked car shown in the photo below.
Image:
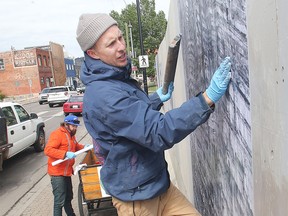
(81, 89)
(59, 95)
(73, 105)
(23, 130)
(43, 96)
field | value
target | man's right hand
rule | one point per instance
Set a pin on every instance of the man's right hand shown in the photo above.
(220, 81)
(70, 155)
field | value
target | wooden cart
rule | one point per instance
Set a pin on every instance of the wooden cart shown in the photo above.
(92, 199)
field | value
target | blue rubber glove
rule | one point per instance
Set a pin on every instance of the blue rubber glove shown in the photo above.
(167, 96)
(220, 81)
(70, 155)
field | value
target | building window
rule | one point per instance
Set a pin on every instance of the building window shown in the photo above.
(67, 67)
(2, 66)
(45, 61)
(39, 59)
(48, 62)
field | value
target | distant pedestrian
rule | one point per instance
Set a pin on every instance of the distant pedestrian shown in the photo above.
(61, 144)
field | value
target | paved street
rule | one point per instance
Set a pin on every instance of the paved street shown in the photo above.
(38, 201)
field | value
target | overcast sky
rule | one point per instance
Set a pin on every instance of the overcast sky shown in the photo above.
(26, 23)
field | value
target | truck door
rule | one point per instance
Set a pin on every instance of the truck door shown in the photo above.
(12, 127)
(20, 131)
(4, 145)
(27, 128)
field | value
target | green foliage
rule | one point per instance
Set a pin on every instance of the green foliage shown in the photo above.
(152, 88)
(2, 96)
(153, 30)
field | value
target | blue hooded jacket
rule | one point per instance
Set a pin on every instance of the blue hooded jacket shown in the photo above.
(129, 132)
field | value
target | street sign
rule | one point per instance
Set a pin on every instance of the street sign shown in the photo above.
(143, 61)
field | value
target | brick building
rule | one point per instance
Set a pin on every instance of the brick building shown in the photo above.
(58, 69)
(30, 70)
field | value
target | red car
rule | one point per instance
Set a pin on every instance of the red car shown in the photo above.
(73, 105)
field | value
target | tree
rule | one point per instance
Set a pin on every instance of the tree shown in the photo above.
(2, 96)
(153, 29)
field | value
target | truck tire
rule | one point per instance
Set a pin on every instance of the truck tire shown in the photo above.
(39, 145)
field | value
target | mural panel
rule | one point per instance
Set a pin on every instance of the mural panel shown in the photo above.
(221, 149)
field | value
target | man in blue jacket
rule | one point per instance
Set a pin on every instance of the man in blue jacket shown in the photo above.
(130, 133)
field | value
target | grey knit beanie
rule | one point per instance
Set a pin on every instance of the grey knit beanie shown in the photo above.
(91, 27)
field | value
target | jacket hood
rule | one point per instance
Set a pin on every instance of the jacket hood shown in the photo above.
(94, 69)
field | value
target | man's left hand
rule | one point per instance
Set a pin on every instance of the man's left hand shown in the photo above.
(167, 96)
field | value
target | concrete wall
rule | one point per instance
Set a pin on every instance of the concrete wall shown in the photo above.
(213, 167)
(179, 158)
(268, 66)
(221, 149)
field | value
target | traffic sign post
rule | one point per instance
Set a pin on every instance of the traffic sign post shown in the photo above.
(143, 61)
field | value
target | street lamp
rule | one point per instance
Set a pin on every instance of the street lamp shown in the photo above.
(131, 39)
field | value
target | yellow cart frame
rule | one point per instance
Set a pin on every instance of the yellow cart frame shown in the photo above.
(90, 193)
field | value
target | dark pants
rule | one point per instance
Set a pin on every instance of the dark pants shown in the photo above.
(63, 194)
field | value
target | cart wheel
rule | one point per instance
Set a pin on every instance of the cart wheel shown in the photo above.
(80, 201)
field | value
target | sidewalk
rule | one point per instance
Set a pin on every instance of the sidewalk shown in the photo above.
(23, 99)
(39, 200)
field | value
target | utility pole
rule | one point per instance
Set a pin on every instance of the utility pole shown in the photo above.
(51, 64)
(127, 39)
(132, 48)
(141, 45)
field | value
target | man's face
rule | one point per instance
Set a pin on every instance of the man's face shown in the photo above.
(110, 48)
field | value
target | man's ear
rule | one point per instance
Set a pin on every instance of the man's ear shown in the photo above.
(92, 53)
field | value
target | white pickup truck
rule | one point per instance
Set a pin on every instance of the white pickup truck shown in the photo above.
(59, 95)
(21, 131)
